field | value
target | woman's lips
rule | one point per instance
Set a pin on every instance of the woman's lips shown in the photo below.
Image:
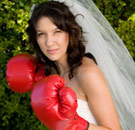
(52, 51)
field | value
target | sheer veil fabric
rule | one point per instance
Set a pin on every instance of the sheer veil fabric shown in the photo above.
(112, 57)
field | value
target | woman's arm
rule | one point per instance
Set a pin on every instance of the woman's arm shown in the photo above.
(94, 85)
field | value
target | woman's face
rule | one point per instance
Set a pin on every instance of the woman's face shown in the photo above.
(52, 41)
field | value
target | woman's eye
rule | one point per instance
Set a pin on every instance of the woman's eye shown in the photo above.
(58, 31)
(40, 34)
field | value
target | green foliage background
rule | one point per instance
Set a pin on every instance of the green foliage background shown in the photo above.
(15, 108)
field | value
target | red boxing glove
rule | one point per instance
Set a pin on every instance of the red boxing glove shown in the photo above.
(55, 105)
(40, 72)
(21, 72)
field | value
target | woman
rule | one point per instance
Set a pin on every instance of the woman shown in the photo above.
(60, 45)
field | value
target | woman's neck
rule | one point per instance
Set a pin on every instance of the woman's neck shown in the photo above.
(63, 65)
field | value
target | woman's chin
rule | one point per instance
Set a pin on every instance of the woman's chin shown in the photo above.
(53, 59)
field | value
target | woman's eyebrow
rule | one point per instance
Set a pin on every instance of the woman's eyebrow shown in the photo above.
(39, 30)
(56, 28)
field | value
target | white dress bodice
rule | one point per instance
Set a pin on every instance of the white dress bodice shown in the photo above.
(83, 110)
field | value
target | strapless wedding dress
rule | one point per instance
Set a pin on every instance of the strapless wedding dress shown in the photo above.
(83, 110)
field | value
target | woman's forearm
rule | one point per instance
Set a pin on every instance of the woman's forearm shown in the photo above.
(95, 127)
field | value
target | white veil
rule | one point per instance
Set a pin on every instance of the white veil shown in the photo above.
(112, 57)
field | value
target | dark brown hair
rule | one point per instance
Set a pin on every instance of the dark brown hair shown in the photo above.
(61, 16)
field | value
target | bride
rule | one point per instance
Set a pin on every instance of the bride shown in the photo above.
(73, 39)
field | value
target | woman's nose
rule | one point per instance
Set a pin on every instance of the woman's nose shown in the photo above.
(49, 41)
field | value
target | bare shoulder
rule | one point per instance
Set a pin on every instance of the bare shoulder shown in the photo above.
(87, 63)
(90, 77)
(89, 70)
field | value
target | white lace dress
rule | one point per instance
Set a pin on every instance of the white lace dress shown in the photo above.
(84, 111)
